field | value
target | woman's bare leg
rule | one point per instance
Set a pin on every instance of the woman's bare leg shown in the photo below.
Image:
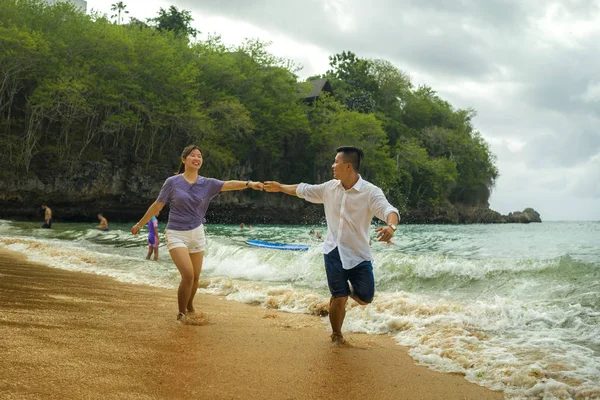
(197, 259)
(183, 261)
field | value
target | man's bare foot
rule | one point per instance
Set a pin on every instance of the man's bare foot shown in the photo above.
(337, 338)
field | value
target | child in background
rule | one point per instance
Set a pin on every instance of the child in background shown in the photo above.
(153, 239)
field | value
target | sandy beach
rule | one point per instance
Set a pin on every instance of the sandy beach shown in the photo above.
(74, 335)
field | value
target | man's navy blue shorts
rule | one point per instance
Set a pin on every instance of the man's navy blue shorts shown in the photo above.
(361, 278)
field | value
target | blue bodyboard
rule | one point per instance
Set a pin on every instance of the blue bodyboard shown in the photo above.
(277, 246)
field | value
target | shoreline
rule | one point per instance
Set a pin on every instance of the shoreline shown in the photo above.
(255, 213)
(77, 335)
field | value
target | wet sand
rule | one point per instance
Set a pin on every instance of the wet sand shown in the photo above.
(74, 335)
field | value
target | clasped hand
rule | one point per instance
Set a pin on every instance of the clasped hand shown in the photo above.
(272, 186)
(256, 185)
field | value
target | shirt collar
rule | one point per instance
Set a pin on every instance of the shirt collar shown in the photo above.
(357, 186)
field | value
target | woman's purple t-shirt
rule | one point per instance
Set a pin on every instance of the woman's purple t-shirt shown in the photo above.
(188, 202)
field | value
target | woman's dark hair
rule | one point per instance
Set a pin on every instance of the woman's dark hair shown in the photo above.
(186, 152)
(351, 154)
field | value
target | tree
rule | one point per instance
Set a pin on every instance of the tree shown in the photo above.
(352, 82)
(173, 20)
(118, 8)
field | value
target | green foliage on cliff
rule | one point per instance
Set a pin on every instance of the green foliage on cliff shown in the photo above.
(77, 89)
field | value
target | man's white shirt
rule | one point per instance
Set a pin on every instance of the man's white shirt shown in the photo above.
(349, 214)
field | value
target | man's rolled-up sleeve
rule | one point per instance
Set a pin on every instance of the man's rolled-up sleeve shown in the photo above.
(312, 193)
(381, 207)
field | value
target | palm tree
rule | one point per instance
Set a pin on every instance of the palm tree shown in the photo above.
(118, 8)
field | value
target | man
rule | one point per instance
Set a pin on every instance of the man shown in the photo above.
(103, 226)
(47, 217)
(350, 203)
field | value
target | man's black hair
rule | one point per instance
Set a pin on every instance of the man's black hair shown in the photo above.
(352, 155)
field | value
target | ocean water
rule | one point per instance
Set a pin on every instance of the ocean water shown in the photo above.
(512, 307)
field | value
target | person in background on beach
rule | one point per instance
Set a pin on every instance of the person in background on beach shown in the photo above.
(103, 226)
(242, 226)
(350, 203)
(47, 217)
(189, 196)
(153, 239)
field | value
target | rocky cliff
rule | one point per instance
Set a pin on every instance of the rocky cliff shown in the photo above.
(123, 194)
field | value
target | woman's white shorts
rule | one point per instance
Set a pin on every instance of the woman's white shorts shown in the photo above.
(194, 240)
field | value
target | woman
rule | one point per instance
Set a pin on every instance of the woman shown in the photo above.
(188, 195)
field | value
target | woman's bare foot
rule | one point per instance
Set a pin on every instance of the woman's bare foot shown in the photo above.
(198, 318)
(337, 338)
(192, 319)
(197, 314)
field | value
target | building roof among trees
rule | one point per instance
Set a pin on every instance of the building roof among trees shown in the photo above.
(318, 86)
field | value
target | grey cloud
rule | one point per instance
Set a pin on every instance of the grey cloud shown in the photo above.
(563, 149)
(560, 80)
(401, 30)
(292, 17)
(588, 184)
(557, 184)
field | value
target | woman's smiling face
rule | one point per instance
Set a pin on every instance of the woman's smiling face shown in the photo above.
(193, 160)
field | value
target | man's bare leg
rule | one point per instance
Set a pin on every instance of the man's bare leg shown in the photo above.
(356, 299)
(337, 313)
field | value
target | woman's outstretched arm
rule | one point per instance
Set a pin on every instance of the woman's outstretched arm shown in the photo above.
(152, 211)
(241, 185)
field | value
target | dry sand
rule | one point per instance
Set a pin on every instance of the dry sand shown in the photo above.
(69, 335)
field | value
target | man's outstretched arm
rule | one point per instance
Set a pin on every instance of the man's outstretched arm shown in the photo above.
(272, 186)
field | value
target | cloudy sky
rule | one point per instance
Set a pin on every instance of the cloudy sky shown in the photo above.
(530, 68)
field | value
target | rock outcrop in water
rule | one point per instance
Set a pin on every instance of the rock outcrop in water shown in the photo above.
(465, 214)
(526, 216)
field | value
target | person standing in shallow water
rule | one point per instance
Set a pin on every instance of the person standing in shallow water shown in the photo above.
(188, 195)
(47, 217)
(350, 204)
